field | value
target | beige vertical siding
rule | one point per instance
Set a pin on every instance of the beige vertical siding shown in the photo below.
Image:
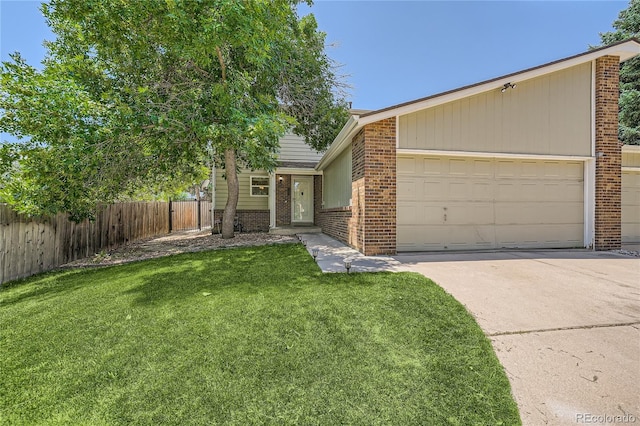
(245, 200)
(630, 159)
(293, 148)
(549, 115)
(336, 187)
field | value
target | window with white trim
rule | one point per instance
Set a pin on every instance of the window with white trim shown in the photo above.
(259, 186)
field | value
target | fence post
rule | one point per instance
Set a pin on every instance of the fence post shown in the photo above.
(170, 216)
(199, 217)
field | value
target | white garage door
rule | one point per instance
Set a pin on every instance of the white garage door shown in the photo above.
(631, 207)
(462, 203)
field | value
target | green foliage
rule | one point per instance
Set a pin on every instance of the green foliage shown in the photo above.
(134, 97)
(627, 26)
(248, 336)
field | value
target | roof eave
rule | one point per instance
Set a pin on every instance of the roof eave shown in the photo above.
(340, 142)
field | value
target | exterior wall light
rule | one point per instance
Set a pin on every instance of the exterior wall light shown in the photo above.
(508, 86)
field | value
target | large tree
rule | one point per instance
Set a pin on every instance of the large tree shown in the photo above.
(141, 93)
(627, 26)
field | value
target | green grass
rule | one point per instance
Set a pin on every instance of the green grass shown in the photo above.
(243, 336)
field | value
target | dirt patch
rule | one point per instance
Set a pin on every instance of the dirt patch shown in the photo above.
(175, 243)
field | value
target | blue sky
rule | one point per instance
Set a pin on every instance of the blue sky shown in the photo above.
(396, 51)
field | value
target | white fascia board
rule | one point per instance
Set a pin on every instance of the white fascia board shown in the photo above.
(624, 50)
(340, 142)
(631, 149)
(492, 155)
(297, 171)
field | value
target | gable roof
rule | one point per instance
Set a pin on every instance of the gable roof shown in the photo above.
(625, 50)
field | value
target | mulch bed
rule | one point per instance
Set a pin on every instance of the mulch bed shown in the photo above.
(175, 243)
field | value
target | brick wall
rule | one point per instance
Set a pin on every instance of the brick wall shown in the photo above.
(283, 200)
(608, 193)
(380, 187)
(356, 221)
(335, 222)
(251, 220)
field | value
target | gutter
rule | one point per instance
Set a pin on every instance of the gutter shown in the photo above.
(340, 142)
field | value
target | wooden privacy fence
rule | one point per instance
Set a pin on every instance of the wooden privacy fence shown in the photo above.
(188, 215)
(32, 245)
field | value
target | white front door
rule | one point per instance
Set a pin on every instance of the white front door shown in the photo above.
(302, 203)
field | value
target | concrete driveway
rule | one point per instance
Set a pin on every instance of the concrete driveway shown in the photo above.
(565, 325)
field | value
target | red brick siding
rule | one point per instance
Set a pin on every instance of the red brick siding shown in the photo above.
(357, 156)
(380, 187)
(608, 193)
(335, 222)
(283, 200)
(251, 220)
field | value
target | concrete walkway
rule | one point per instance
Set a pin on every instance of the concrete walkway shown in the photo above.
(332, 254)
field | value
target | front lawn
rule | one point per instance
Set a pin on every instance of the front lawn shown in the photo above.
(243, 336)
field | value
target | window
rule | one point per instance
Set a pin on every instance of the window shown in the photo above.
(259, 186)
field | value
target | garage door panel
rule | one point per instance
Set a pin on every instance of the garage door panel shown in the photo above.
(482, 168)
(482, 191)
(464, 213)
(530, 169)
(435, 237)
(459, 190)
(525, 213)
(407, 189)
(506, 168)
(574, 170)
(407, 213)
(406, 166)
(631, 207)
(471, 203)
(631, 232)
(433, 166)
(561, 191)
(458, 167)
(432, 189)
(464, 237)
(454, 214)
(536, 236)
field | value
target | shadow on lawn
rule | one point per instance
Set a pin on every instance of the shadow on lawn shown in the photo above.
(45, 286)
(248, 271)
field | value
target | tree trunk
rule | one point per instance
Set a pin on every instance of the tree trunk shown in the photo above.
(234, 189)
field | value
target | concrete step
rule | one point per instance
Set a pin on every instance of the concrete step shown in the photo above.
(293, 230)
